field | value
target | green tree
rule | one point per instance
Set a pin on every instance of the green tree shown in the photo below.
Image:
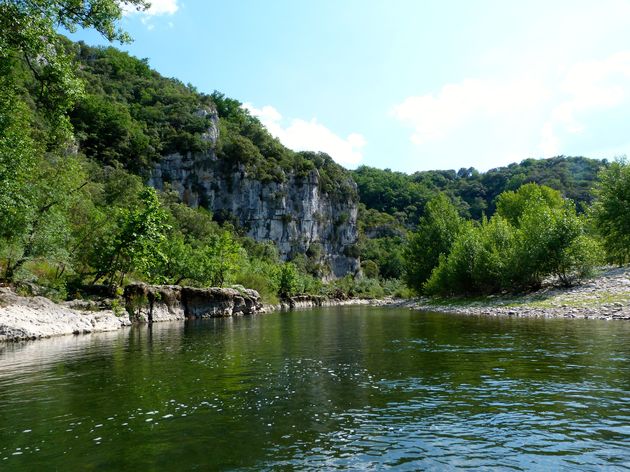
(177, 262)
(478, 262)
(611, 210)
(220, 258)
(28, 33)
(134, 243)
(546, 239)
(551, 241)
(288, 280)
(512, 204)
(38, 85)
(433, 239)
(53, 188)
(17, 158)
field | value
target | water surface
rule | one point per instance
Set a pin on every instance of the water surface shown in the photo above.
(337, 388)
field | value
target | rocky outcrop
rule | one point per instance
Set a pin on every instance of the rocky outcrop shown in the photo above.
(24, 318)
(294, 213)
(152, 303)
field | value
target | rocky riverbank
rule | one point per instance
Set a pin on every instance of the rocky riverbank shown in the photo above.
(29, 318)
(313, 301)
(152, 303)
(606, 296)
(24, 318)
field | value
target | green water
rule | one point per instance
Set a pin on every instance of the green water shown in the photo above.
(338, 388)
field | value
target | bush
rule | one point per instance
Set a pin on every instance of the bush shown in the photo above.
(539, 240)
(433, 239)
(611, 210)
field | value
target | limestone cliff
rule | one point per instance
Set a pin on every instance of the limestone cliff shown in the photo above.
(295, 213)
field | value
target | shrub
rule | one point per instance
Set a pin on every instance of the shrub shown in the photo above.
(543, 239)
(434, 238)
(611, 210)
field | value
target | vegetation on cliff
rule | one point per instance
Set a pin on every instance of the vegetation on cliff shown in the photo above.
(74, 218)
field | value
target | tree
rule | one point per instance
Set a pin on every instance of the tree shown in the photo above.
(478, 261)
(288, 280)
(38, 85)
(436, 233)
(52, 189)
(27, 33)
(543, 237)
(220, 258)
(551, 241)
(17, 157)
(611, 210)
(133, 244)
(512, 204)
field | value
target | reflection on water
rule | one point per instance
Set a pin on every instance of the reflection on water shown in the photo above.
(337, 388)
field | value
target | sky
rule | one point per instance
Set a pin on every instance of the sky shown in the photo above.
(407, 85)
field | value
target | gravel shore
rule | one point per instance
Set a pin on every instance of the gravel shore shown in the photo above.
(605, 296)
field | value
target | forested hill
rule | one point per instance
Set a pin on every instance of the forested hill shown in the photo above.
(210, 152)
(133, 116)
(406, 195)
(108, 170)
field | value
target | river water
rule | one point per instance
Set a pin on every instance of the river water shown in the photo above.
(358, 388)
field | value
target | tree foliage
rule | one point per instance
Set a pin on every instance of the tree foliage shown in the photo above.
(474, 193)
(611, 210)
(432, 241)
(133, 244)
(534, 235)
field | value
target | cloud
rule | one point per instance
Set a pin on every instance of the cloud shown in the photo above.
(546, 109)
(303, 135)
(588, 87)
(436, 116)
(158, 7)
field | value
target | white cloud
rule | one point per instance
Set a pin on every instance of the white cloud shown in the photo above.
(303, 135)
(436, 116)
(158, 7)
(589, 86)
(546, 112)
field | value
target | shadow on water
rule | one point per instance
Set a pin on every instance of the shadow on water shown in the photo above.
(353, 387)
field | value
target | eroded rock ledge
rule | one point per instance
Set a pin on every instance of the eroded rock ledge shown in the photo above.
(152, 303)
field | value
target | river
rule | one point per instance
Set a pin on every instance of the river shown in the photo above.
(359, 388)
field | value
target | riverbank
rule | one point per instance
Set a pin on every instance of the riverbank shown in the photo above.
(29, 318)
(605, 296)
(23, 318)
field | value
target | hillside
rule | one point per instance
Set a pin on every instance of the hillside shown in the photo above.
(226, 188)
(209, 150)
(474, 192)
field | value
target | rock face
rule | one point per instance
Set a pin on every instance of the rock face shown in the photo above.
(37, 317)
(295, 214)
(152, 303)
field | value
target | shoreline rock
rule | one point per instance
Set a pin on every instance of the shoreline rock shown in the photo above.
(154, 303)
(24, 318)
(314, 301)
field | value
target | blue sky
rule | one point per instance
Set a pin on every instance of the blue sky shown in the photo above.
(407, 85)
